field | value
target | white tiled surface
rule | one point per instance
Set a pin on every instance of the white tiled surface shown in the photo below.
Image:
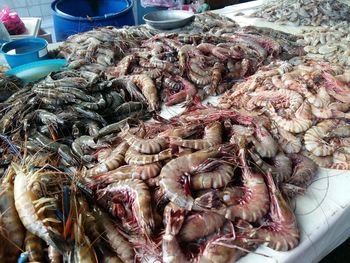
(34, 8)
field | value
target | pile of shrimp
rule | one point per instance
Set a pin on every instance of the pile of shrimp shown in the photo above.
(188, 189)
(196, 191)
(308, 105)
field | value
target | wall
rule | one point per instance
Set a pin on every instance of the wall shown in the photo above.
(33, 8)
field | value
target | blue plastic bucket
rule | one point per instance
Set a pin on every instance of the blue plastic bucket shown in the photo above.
(25, 50)
(75, 16)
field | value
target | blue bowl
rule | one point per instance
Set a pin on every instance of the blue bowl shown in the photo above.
(25, 50)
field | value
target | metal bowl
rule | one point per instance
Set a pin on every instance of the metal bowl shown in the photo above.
(168, 19)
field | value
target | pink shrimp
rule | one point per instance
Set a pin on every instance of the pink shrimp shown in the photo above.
(172, 173)
(336, 88)
(255, 201)
(199, 225)
(281, 231)
(264, 143)
(187, 92)
(135, 192)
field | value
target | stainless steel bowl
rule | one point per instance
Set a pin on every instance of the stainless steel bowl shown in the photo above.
(168, 19)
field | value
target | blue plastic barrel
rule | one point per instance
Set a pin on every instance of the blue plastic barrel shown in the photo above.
(75, 16)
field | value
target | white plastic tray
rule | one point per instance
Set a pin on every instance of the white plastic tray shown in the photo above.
(32, 25)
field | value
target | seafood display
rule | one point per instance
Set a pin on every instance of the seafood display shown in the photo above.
(91, 172)
(307, 108)
(304, 12)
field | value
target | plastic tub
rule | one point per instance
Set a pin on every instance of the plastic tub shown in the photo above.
(75, 16)
(25, 50)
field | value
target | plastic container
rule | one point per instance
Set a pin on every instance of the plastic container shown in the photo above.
(25, 50)
(141, 11)
(75, 16)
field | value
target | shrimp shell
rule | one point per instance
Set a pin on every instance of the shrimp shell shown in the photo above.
(212, 137)
(313, 138)
(33, 222)
(11, 229)
(114, 160)
(172, 172)
(148, 88)
(281, 233)
(254, 203)
(141, 200)
(264, 143)
(295, 125)
(134, 157)
(200, 225)
(218, 178)
(141, 145)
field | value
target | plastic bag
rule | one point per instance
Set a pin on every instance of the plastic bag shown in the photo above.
(162, 3)
(12, 22)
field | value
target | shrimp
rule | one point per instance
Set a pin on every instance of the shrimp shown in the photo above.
(216, 76)
(288, 142)
(199, 225)
(295, 125)
(264, 143)
(148, 146)
(121, 69)
(136, 193)
(33, 245)
(341, 161)
(254, 202)
(11, 229)
(114, 238)
(304, 169)
(26, 205)
(314, 138)
(217, 178)
(340, 131)
(188, 92)
(282, 98)
(134, 157)
(198, 79)
(148, 88)
(336, 88)
(212, 137)
(142, 172)
(281, 231)
(332, 110)
(172, 172)
(321, 161)
(170, 247)
(240, 134)
(320, 100)
(115, 159)
(281, 168)
(304, 111)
